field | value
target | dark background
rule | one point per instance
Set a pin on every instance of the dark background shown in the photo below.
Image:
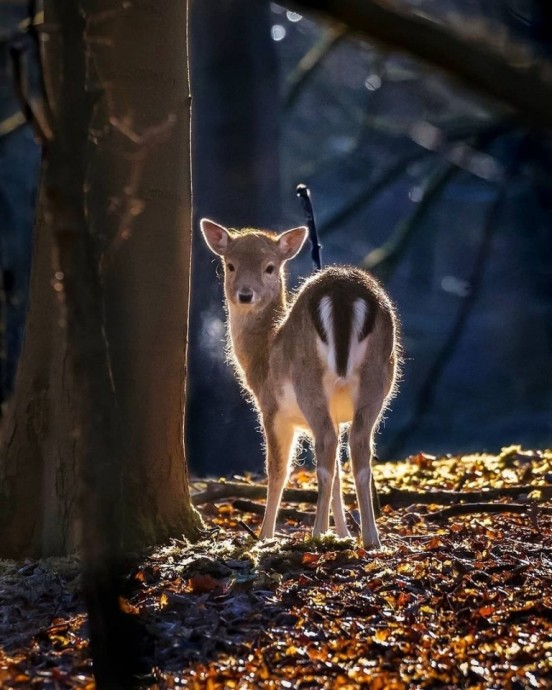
(393, 151)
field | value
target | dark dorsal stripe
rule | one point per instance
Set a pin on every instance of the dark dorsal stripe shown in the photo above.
(342, 298)
(314, 308)
(342, 316)
(369, 319)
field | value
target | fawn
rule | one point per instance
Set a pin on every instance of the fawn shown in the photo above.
(327, 359)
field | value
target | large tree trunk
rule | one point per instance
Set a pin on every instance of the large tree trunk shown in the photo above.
(102, 373)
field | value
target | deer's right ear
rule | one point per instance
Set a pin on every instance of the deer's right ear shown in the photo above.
(291, 241)
(215, 235)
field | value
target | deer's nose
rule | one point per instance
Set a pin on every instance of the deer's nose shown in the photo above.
(245, 296)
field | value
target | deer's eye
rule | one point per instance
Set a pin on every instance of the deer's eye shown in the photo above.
(230, 267)
(269, 269)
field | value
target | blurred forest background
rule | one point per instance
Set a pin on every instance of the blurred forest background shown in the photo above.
(444, 194)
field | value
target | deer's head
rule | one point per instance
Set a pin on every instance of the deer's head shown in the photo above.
(253, 261)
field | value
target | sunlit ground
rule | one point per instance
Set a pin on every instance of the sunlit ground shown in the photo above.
(463, 601)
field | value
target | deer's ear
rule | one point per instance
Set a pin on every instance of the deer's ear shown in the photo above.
(291, 241)
(216, 236)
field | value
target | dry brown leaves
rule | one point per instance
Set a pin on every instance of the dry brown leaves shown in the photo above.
(461, 603)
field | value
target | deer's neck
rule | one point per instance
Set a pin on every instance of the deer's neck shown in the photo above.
(251, 335)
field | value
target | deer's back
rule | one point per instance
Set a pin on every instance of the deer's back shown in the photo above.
(335, 311)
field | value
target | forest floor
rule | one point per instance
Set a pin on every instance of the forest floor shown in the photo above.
(457, 597)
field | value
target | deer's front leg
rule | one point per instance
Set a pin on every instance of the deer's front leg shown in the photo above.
(280, 436)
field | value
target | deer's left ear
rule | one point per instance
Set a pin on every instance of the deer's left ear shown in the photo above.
(291, 241)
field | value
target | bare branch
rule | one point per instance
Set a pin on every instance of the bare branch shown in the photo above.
(431, 139)
(367, 195)
(455, 510)
(397, 498)
(311, 61)
(384, 259)
(474, 508)
(428, 388)
(508, 72)
(245, 506)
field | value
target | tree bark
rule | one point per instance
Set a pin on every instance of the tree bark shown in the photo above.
(101, 385)
(139, 209)
(38, 457)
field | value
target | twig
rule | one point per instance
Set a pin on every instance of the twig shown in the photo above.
(285, 513)
(471, 508)
(365, 197)
(384, 259)
(401, 498)
(354, 522)
(248, 529)
(310, 62)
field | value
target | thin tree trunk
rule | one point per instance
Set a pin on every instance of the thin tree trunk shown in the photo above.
(236, 166)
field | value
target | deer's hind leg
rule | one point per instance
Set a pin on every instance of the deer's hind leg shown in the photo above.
(374, 388)
(280, 436)
(361, 447)
(338, 509)
(314, 407)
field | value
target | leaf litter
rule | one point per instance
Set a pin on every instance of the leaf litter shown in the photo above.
(458, 602)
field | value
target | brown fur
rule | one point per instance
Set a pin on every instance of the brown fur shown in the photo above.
(309, 371)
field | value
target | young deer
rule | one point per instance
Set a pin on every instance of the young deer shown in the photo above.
(329, 358)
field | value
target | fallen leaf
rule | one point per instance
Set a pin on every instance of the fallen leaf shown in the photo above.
(310, 558)
(202, 584)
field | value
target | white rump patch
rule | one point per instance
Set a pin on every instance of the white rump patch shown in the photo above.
(326, 317)
(357, 347)
(360, 312)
